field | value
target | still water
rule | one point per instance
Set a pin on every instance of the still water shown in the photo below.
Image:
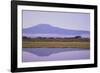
(52, 54)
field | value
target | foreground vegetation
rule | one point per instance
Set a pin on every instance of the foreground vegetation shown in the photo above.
(56, 43)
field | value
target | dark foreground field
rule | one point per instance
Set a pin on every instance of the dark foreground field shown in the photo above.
(56, 43)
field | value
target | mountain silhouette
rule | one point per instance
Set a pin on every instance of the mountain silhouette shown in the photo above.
(52, 30)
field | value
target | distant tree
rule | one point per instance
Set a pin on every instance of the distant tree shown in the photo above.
(59, 37)
(51, 38)
(77, 37)
(43, 37)
(39, 37)
(24, 37)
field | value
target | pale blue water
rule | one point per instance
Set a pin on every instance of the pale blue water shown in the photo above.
(48, 51)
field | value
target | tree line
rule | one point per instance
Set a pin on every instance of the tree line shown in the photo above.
(24, 37)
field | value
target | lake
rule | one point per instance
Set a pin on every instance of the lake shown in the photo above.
(54, 54)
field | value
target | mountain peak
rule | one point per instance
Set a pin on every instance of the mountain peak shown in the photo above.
(44, 25)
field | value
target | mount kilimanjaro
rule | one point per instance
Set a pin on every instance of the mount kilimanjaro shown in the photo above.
(46, 30)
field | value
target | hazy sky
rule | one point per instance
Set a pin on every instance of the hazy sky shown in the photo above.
(74, 21)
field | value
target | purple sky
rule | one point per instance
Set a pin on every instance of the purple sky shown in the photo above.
(74, 21)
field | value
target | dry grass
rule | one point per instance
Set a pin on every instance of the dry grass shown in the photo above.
(55, 44)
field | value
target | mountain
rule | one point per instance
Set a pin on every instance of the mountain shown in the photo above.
(47, 30)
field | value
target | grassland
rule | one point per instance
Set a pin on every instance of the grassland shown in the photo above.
(56, 43)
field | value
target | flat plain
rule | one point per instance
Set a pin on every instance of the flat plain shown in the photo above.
(56, 43)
